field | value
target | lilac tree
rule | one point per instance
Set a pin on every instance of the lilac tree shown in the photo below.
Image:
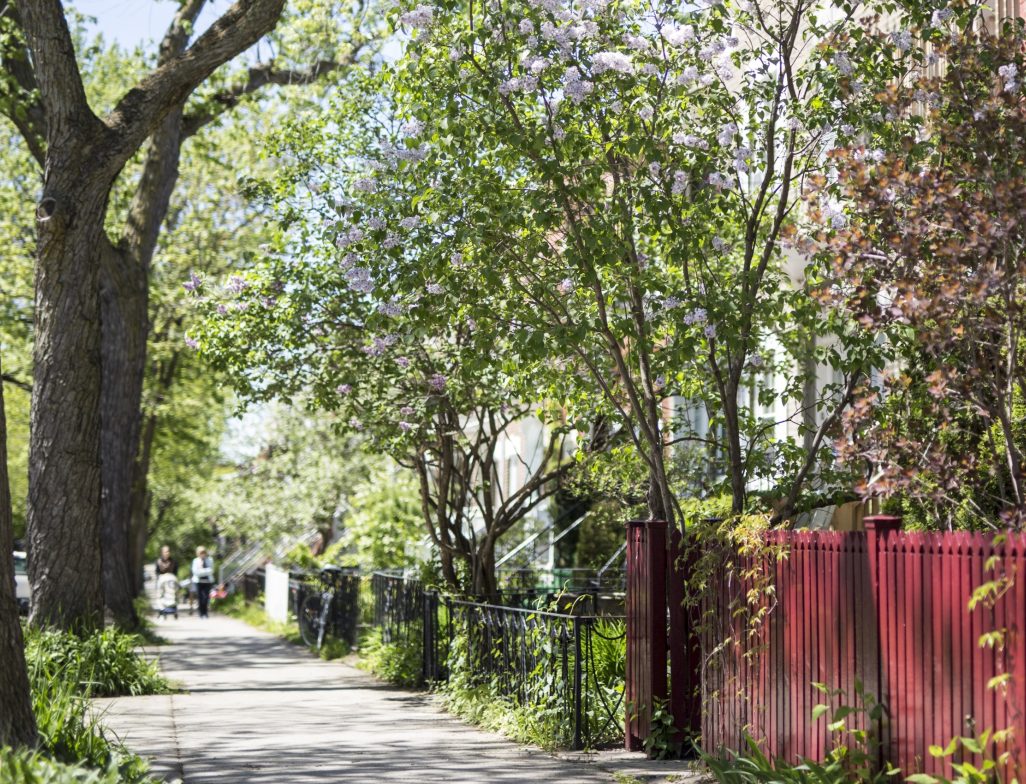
(616, 183)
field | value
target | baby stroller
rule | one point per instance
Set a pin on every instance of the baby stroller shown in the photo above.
(167, 595)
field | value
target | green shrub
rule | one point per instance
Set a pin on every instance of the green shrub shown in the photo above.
(546, 718)
(65, 671)
(396, 662)
(103, 664)
(25, 767)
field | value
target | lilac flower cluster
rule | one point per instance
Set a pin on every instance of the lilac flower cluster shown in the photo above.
(834, 214)
(696, 316)
(379, 345)
(902, 39)
(612, 61)
(419, 18)
(680, 182)
(678, 36)
(350, 237)
(575, 87)
(359, 279)
(519, 84)
(236, 284)
(193, 284)
(1010, 75)
(437, 382)
(392, 308)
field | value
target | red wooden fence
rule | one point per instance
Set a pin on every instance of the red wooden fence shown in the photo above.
(883, 607)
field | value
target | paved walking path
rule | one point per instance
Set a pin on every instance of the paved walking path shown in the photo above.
(256, 710)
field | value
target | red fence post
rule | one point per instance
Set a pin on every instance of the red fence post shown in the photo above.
(877, 529)
(646, 627)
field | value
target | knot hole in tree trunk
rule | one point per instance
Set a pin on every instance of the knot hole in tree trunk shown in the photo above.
(46, 208)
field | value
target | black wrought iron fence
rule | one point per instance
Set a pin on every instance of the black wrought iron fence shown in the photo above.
(548, 662)
(398, 606)
(344, 612)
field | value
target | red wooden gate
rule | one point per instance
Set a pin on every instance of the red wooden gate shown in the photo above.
(884, 607)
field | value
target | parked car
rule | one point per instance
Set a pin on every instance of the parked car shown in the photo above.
(21, 582)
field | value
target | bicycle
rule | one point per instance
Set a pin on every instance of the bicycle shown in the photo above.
(315, 612)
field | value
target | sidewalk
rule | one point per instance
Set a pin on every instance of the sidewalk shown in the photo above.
(256, 710)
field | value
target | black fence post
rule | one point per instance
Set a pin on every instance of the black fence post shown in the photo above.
(578, 730)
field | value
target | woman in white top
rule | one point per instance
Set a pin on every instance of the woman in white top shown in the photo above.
(203, 579)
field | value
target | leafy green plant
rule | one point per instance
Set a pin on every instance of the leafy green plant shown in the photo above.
(755, 766)
(661, 742)
(854, 745)
(27, 767)
(65, 671)
(397, 662)
(967, 772)
(103, 664)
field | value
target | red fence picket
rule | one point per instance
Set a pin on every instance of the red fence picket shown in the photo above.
(884, 608)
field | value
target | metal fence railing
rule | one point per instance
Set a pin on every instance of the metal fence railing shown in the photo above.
(544, 661)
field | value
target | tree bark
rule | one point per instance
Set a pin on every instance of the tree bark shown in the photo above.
(139, 504)
(124, 297)
(17, 723)
(735, 455)
(64, 460)
(124, 301)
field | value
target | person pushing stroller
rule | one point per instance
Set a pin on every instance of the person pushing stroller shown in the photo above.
(167, 584)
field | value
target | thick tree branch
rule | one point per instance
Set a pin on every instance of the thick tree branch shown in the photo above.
(152, 196)
(145, 106)
(54, 71)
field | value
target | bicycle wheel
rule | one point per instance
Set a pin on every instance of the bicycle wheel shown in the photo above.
(310, 619)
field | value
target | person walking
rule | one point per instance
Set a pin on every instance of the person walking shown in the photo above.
(166, 564)
(203, 579)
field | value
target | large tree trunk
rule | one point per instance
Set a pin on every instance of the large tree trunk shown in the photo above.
(123, 307)
(139, 504)
(64, 460)
(17, 724)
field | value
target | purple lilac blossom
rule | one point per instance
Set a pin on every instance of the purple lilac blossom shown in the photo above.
(192, 285)
(437, 382)
(697, 316)
(419, 18)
